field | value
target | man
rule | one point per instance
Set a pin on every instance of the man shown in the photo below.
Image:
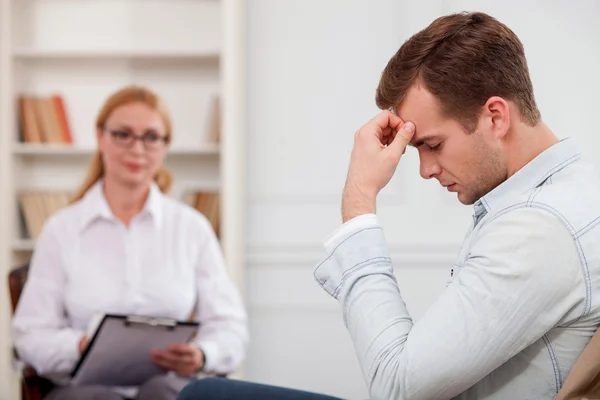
(521, 305)
(522, 301)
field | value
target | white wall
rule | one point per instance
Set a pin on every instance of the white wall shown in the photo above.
(312, 70)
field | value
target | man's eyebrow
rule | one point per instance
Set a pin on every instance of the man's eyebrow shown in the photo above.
(420, 141)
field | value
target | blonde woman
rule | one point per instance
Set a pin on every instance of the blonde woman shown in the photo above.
(124, 247)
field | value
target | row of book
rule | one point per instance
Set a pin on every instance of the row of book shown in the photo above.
(37, 206)
(44, 120)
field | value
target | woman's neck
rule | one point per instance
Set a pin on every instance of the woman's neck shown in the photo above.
(125, 202)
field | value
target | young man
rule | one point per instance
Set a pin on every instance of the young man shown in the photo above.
(522, 303)
(523, 299)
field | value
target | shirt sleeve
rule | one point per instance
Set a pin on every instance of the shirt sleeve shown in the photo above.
(522, 278)
(223, 333)
(355, 224)
(42, 336)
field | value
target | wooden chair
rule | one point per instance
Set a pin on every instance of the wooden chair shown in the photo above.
(583, 381)
(33, 387)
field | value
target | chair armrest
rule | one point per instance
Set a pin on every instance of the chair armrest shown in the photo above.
(33, 386)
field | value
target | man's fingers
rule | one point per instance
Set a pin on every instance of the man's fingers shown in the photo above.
(387, 136)
(403, 138)
(387, 119)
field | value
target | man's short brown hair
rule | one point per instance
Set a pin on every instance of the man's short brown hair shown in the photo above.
(463, 60)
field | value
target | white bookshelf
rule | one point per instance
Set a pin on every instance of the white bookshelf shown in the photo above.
(188, 51)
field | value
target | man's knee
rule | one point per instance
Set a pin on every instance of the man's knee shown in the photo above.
(202, 389)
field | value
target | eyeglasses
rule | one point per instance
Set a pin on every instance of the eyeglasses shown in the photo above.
(150, 140)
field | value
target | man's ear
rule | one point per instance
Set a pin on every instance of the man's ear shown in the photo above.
(496, 113)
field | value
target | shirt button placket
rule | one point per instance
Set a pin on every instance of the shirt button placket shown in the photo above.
(130, 283)
(136, 265)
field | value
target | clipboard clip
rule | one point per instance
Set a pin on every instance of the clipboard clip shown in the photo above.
(161, 322)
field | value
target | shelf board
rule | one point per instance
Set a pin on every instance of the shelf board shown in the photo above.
(45, 149)
(40, 54)
(23, 244)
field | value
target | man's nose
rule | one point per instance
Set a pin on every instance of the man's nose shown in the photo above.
(429, 168)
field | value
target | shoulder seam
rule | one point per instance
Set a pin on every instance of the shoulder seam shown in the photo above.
(575, 235)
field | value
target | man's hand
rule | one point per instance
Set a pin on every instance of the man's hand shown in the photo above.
(182, 358)
(378, 147)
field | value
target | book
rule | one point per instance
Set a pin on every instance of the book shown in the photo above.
(37, 206)
(208, 203)
(29, 125)
(44, 120)
(214, 121)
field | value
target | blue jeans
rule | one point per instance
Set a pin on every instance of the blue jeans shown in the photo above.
(229, 389)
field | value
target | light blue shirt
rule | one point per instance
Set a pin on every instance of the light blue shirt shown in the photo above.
(522, 303)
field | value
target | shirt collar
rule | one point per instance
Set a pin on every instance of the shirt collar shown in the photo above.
(531, 175)
(95, 206)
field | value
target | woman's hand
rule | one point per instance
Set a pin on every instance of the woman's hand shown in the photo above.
(83, 343)
(183, 358)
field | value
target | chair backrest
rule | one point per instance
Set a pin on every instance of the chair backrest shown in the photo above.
(583, 381)
(16, 281)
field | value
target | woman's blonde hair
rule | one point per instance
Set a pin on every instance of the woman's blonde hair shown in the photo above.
(128, 94)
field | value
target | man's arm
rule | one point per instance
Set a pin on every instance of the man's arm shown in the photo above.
(522, 278)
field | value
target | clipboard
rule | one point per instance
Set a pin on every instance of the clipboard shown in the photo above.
(118, 353)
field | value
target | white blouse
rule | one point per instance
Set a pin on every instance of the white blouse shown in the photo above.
(167, 263)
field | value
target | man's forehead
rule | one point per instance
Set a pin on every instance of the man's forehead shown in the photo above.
(421, 108)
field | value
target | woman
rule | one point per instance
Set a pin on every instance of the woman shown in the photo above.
(124, 247)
